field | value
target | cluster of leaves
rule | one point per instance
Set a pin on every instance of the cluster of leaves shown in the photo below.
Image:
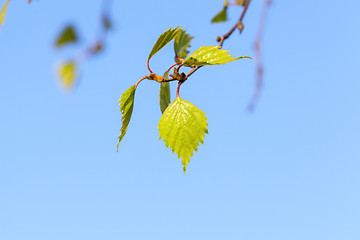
(182, 125)
(68, 70)
(222, 15)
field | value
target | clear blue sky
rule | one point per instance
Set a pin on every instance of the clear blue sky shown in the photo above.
(288, 171)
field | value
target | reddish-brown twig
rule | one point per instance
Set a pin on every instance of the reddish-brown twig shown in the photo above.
(221, 39)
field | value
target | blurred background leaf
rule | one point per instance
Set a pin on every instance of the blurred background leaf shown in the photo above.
(68, 35)
(3, 12)
(67, 73)
(221, 16)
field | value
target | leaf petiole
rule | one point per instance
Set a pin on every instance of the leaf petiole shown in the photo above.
(137, 83)
(178, 89)
(173, 66)
(148, 67)
(179, 67)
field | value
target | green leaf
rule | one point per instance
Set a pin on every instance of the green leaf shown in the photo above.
(126, 108)
(3, 12)
(221, 16)
(210, 55)
(182, 43)
(183, 127)
(67, 35)
(67, 72)
(164, 39)
(164, 94)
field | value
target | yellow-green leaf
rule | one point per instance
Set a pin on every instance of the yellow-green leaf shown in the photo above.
(183, 127)
(221, 16)
(126, 108)
(164, 39)
(210, 55)
(182, 43)
(164, 94)
(67, 35)
(3, 12)
(67, 72)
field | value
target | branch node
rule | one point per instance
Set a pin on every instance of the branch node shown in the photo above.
(240, 26)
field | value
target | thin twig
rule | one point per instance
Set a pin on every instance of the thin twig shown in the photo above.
(98, 44)
(258, 56)
(221, 39)
(192, 71)
(239, 24)
(173, 66)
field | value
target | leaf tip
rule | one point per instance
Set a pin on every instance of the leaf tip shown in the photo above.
(221, 16)
(244, 57)
(67, 36)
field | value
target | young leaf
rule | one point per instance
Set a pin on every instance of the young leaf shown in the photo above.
(68, 35)
(221, 16)
(182, 43)
(164, 39)
(210, 55)
(164, 94)
(126, 108)
(67, 73)
(183, 127)
(3, 12)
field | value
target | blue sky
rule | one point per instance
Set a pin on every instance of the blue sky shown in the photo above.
(289, 170)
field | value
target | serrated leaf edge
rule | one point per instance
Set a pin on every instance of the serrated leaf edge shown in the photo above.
(126, 109)
(178, 48)
(166, 37)
(206, 51)
(185, 159)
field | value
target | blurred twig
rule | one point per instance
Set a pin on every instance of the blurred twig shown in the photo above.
(238, 25)
(105, 25)
(258, 55)
(68, 70)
